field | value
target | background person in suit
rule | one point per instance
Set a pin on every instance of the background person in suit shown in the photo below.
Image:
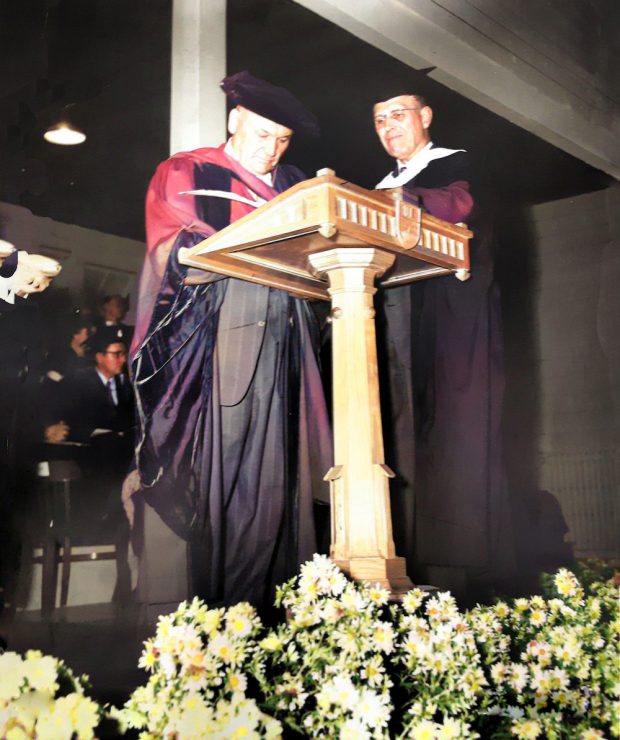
(112, 311)
(95, 428)
(233, 433)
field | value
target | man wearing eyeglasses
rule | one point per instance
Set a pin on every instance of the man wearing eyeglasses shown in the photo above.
(440, 351)
(98, 400)
(95, 428)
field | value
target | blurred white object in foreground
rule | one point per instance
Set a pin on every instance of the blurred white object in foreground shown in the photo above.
(32, 274)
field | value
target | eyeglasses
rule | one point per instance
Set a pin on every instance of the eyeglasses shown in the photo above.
(117, 353)
(394, 116)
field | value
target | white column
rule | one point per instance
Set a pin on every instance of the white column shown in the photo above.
(197, 106)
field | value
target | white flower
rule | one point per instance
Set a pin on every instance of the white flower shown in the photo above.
(237, 682)
(377, 595)
(383, 636)
(566, 583)
(540, 681)
(339, 691)
(373, 671)
(321, 577)
(353, 600)
(239, 625)
(517, 677)
(413, 600)
(424, 730)
(222, 647)
(499, 671)
(11, 675)
(167, 665)
(452, 728)
(538, 617)
(354, 729)
(372, 709)
(526, 729)
(40, 672)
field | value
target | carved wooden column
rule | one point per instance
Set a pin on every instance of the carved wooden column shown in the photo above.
(362, 542)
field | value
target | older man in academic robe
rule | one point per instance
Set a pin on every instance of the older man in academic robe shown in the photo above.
(233, 436)
(441, 355)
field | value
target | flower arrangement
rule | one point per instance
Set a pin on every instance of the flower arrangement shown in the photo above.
(199, 662)
(346, 663)
(41, 698)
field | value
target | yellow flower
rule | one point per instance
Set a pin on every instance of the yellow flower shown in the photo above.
(40, 672)
(449, 729)
(538, 617)
(413, 599)
(149, 656)
(526, 729)
(240, 626)
(164, 625)
(424, 730)
(378, 595)
(311, 590)
(211, 621)
(222, 648)
(566, 583)
(237, 682)
(271, 643)
(501, 609)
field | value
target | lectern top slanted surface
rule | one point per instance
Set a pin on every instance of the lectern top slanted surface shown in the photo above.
(271, 246)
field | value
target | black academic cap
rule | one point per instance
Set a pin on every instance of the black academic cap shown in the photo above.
(269, 101)
(105, 336)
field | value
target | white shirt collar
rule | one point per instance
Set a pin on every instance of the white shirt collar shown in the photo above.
(103, 378)
(267, 179)
(415, 165)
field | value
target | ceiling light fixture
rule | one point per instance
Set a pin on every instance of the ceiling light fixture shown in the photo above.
(63, 131)
(65, 134)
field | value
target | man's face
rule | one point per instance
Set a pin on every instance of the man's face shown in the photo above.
(258, 142)
(81, 336)
(114, 309)
(112, 361)
(402, 126)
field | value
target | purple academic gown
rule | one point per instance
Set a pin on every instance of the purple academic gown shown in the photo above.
(234, 438)
(441, 356)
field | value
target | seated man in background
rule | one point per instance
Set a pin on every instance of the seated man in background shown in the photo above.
(70, 351)
(95, 427)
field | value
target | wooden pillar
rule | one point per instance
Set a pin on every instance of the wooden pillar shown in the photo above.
(362, 542)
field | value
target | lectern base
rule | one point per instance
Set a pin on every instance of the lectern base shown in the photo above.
(391, 573)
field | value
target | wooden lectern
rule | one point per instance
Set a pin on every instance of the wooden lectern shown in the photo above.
(328, 239)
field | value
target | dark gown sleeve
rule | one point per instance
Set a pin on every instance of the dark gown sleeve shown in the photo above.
(444, 188)
(172, 375)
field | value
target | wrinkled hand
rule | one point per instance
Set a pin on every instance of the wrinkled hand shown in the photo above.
(131, 485)
(56, 433)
